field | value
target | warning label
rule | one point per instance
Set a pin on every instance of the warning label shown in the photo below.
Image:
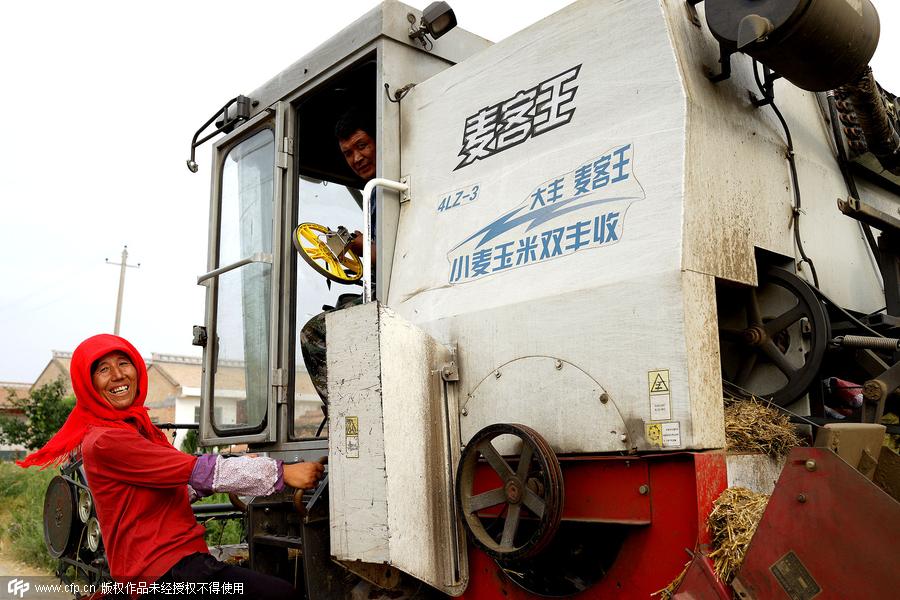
(352, 446)
(671, 435)
(659, 381)
(654, 434)
(660, 400)
(351, 427)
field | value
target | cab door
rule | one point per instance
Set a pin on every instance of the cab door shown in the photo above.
(242, 375)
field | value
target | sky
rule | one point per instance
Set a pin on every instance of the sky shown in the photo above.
(101, 99)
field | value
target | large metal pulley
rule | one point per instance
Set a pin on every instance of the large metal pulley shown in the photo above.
(511, 505)
(61, 526)
(773, 345)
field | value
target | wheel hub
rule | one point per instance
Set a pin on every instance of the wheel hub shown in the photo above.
(755, 335)
(513, 490)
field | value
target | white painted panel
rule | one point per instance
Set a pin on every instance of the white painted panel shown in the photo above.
(616, 335)
(357, 479)
(627, 93)
(392, 480)
(565, 404)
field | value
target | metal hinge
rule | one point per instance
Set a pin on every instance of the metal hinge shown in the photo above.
(279, 378)
(407, 195)
(283, 157)
(450, 370)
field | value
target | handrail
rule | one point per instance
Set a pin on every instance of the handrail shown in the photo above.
(259, 257)
(397, 186)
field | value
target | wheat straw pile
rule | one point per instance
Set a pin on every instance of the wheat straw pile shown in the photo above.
(751, 426)
(732, 523)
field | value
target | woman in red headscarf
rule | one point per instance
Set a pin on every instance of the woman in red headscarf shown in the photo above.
(142, 485)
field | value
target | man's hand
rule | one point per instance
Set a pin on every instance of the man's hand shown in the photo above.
(304, 475)
(356, 245)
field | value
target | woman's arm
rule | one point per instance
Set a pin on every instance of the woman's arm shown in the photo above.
(253, 476)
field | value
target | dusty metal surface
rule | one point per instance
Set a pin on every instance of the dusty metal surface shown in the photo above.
(390, 442)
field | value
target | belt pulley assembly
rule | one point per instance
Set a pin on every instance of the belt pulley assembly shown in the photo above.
(512, 509)
(775, 346)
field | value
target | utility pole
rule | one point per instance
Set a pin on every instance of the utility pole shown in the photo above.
(123, 265)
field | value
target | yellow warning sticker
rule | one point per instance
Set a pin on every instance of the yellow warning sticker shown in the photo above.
(660, 400)
(352, 425)
(654, 434)
(658, 381)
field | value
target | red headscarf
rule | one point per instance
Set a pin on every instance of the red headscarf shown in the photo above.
(91, 409)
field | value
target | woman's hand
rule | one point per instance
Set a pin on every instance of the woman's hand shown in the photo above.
(304, 475)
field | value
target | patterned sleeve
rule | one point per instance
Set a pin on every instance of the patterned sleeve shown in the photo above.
(253, 476)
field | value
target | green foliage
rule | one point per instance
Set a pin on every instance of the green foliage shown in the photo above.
(21, 513)
(45, 411)
(191, 442)
(220, 533)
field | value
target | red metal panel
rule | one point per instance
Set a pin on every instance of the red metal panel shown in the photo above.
(602, 490)
(828, 527)
(607, 491)
(681, 486)
(700, 582)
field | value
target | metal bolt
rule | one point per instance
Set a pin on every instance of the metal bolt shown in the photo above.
(558, 364)
(644, 490)
(497, 374)
(801, 498)
(604, 398)
(465, 411)
(623, 438)
(810, 465)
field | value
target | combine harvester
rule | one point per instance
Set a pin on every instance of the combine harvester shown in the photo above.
(586, 236)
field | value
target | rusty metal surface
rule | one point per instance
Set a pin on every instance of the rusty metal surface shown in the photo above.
(826, 528)
(60, 523)
(531, 494)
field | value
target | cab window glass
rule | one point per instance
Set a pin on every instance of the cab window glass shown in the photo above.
(241, 376)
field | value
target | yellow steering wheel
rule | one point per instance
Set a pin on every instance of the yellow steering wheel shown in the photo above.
(327, 252)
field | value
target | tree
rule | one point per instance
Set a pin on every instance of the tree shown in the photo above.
(45, 410)
(191, 442)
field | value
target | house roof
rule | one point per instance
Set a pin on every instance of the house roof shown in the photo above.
(61, 361)
(21, 390)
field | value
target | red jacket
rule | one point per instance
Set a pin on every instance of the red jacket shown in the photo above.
(140, 492)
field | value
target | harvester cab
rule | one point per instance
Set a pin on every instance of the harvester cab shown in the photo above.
(576, 242)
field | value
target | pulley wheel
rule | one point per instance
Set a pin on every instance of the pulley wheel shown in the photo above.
(85, 504)
(520, 514)
(93, 537)
(60, 524)
(774, 344)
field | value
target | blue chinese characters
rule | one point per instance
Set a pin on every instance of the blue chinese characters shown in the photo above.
(581, 209)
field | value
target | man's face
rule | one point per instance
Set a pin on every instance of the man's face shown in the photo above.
(115, 379)
(359, 152)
